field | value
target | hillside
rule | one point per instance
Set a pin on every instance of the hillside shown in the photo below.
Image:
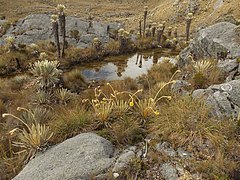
(128, 12)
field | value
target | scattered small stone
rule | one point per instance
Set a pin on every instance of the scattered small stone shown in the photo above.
(166, 148)
(183, 154)
(168, 171)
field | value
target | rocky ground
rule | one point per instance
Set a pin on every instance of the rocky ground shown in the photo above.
(37, 27)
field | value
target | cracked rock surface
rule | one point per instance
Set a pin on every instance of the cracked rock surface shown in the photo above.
(220, 37)
(224, 99)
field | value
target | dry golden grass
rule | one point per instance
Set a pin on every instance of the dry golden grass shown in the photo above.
(175, 15)
(80, 8)
(217, 167)
(112, 47)
(185, 122)
(10, 164)
(127, 130)
(159, 73)
(144, 43)
(74, 80)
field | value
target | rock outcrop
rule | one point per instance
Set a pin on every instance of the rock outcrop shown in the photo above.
(81, 157)
(224, 99)
(37, 27)
(215, 39)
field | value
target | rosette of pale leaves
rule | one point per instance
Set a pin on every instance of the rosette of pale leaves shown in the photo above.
(33, 136)
(47, 73)
(33, 139)
(63, 95)
(203, 66)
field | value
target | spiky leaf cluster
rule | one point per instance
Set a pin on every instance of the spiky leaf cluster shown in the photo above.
(63, 95)
(203, 66)
(33, 139)
(46, 73)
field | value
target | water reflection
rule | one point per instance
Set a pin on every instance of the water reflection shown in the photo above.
(117, 68)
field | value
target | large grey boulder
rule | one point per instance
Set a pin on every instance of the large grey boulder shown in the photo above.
(77, 158)
(37, 27)
(224, 99)
(220, 37)
(228, 65)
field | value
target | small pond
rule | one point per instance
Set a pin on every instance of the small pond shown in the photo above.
(120, 67)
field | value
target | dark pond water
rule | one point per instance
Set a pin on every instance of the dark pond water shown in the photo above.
(120, 67)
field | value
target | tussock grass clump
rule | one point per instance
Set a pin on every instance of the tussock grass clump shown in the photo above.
(130, 84)
(10, 164)
(127, 130)
(220, 166)
(148, 106)
(76, 55)
(185, 122)
(9, 59)
(159, 73)
(112, 47)
(12, 97)
(70, 122)
(74, 80)
(144, 43)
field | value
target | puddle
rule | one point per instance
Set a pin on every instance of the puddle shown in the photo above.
(120, 67)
